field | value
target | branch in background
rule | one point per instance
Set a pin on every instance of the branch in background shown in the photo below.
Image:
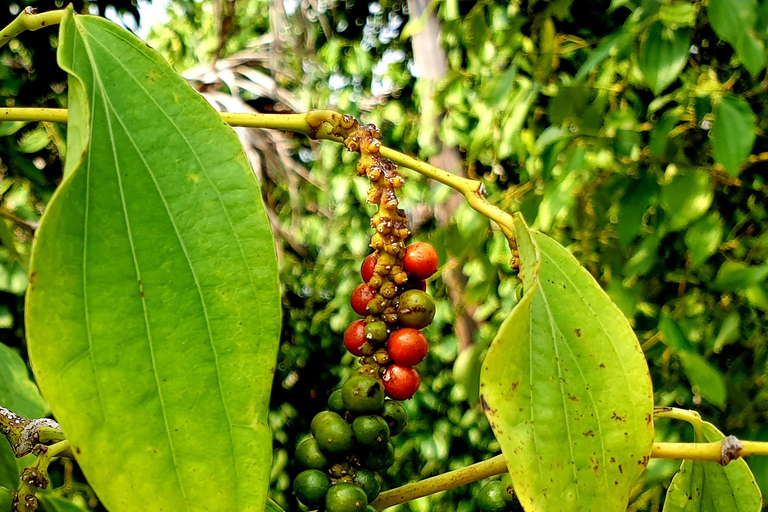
(28, 226)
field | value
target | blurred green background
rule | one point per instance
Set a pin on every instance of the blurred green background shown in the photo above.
(631, 131)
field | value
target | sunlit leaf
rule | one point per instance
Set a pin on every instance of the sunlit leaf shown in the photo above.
(686, 198)
(663, 55)
(153, 315)
(566, 387)
(703, 238)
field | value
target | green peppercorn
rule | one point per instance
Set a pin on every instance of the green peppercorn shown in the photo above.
(363, 394)
(371, 431)
(308, 454)
(311, 486)
(345, 497)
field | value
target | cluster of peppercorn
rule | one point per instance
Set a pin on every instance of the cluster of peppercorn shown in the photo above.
(391, 344)
(351, 440)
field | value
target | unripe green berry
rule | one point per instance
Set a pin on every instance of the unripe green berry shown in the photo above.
(335, 403)
(371, 431)
(311, 486)
(381, 459)
(395, 416)
(363, 394)
(375, 332)
(369, 482)
(332, 433)
(308, 454)
(416, 309)
(491, 497)
(344, 497)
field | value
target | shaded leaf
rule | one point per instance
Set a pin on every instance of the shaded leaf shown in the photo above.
(9, 468)
(709, 487)
(705, 379)
(154, 314)
(52, 503)
(663, 55)
(566, 387)
(729, 332)
(673, 334)
(733, 133)
(17, 391)
(733, 21)
(633, 206)
(736, 276)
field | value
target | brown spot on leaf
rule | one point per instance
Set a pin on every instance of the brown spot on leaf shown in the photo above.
(602, 365)
(484, 403)
(514, 385)
(578, 332)
(618, 417)
(573, 398)
(589, 433)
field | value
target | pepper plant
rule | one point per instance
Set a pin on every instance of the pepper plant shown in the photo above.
(153, 318)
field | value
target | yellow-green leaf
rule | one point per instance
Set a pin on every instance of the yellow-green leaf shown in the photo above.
(566, 387)
(153, 315)
(709, 487)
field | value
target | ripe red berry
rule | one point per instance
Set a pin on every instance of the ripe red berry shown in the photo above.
(361, 296)
(354, 337)
(400, 383)
(407, 347)
(368, 267)
(420, 260)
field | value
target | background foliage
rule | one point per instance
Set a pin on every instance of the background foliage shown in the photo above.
(633, 132)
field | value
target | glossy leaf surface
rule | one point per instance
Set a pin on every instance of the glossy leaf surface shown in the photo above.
(153, 314)
(566, 387)
(709, 487)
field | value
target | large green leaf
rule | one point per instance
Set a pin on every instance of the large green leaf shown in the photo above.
(663, 55)
(733, 133)
(709, 487)
(566, 387)
(17, 391)
(153, 314)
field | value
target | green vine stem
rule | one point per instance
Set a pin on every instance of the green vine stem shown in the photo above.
(488, 468)
(29, 20)
(325, 125)
(35, 477)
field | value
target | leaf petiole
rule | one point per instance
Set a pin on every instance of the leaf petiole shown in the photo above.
(30, 20)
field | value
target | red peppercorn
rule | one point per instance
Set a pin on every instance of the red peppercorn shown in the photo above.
(361, 296)
(400, 383)
(407, 347)
(420, 260)
(368, 267)
(354, 337)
